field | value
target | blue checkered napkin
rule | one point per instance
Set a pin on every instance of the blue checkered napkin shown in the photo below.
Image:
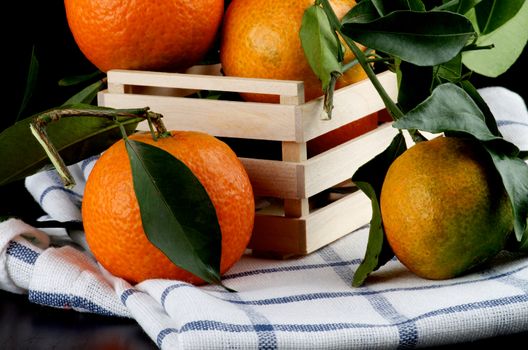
(510, 111)
(309, 303)
(299, 303)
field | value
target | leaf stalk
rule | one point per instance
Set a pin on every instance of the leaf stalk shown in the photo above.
(41, 121)
(393, 109)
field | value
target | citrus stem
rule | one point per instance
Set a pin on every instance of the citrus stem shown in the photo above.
(40, 122)
(39, 132)
(368, 53)
(391, 106)
(395, 112)
(328, 101)
(475, 47)
(389, 103)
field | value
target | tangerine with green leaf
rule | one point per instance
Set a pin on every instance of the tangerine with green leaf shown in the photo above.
(112, 218)
(444, 207)
(260, 39)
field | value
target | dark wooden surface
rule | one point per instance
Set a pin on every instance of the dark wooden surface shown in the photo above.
(24, 325)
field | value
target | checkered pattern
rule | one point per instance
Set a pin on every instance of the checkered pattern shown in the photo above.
(298, 303)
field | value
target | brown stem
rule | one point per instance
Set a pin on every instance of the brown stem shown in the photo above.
(328, 101)
(40, 122)
(39, 131)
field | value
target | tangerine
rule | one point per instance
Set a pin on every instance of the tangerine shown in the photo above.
(260, 39)
(444, 207)
(144, 35)
(112, 219)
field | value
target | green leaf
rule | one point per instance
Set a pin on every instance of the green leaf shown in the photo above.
(335, 23)
(450, 70)
(31, 83)
(514, 245)
(421, 38)
(369, 178)
(458, 6)
(509, 41)
(523, 244)
(363, 12)
(320, 44)
(176, 211)
(86, 95)
(380, 7)
(415, 5)
(79, 79)
(75, 138)
(450, 108)
(514, 174)
(386, 7)
(491, 14)
(367, 11)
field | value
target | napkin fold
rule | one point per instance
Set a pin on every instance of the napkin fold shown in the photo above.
(509, 110)
(305, 302)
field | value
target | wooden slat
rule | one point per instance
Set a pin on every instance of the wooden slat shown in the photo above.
(274, 178)
(220, 118)
(295, 152)
(336, 220)
(279, 234)
(116, 88)
(300, 236)
(294, 180)
(350, 103)
(205, 82)
(340, 163)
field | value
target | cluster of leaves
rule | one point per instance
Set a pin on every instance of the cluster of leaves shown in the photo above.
(433, 48)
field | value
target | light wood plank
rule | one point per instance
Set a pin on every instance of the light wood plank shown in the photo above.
(219, 118)
(350, 103)
(340, 163)
(297, 99)
(279, 234)
(274, 178)
(337, 220)
(295, 152)
(301, 236)
(116, 88)
(205, 82)
(295, 208)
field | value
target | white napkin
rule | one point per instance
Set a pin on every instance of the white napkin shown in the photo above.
(510, 111)
(298, 303)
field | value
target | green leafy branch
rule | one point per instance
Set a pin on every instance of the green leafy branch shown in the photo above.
(434, 51)
(177, 214)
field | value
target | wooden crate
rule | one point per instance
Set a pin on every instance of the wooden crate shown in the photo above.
(304, 213)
